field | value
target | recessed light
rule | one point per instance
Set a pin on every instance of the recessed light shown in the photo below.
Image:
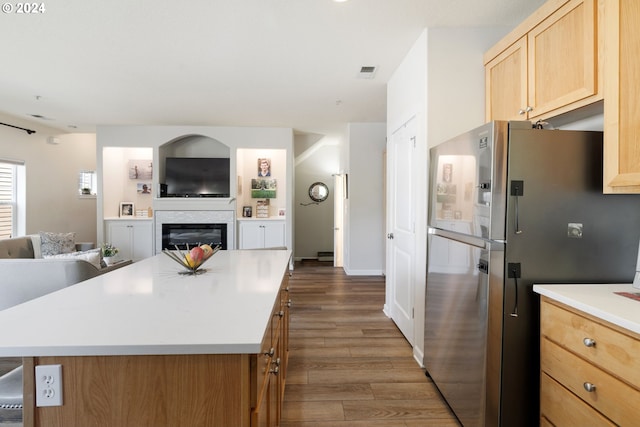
(339, 1)
(40, 116)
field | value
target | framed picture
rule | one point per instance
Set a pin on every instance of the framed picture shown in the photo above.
(282, 212)
(144, 188)
(140, 169)
(264, 167)
(126, 209)
(263, 188)
(246, 211)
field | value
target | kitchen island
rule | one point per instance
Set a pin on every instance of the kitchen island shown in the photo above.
(147, 346)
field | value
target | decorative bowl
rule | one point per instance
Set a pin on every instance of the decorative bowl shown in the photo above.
(193, 258)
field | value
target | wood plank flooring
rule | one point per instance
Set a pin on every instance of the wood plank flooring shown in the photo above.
(349, 365)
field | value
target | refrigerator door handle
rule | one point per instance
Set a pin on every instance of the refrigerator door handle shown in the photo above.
(517, 190)
(514, 273)
(462, 238)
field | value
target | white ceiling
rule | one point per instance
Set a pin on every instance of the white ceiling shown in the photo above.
(290, 63)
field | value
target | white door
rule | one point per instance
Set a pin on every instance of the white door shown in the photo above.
(401, 227)
(338, 218)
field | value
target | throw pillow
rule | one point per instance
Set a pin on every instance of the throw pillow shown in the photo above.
(94, 256)
(57, 243)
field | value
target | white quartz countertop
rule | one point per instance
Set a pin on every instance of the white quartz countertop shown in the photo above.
(598, 300)
(149, 308)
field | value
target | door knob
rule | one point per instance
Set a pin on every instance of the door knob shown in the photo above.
(390, 236)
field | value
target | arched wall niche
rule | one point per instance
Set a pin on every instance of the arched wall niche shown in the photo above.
(194, 145)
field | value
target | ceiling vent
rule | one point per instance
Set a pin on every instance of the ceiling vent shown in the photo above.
(367, 72)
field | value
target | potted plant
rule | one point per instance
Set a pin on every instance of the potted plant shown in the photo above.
(109, 253)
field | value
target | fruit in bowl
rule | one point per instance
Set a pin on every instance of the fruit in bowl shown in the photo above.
(193, 258)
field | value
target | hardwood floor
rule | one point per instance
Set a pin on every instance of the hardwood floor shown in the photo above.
(349, 365)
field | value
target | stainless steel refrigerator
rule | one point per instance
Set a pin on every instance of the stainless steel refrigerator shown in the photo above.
(510, 206)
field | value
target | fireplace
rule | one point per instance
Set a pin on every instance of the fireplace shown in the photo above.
(184, 236)
(194, 227)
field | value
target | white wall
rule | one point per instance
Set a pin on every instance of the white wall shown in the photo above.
(456, 79)
(364, 237)
(52, 202)
(441, 83)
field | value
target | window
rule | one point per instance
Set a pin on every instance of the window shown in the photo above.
(11, 198)
(87, 183)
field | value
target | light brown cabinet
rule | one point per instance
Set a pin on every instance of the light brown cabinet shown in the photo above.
(590, 372)
(271, 366)
(622, 97)
(546, 66)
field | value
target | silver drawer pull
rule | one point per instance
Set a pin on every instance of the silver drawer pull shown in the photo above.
(589, 342)
(589, 387)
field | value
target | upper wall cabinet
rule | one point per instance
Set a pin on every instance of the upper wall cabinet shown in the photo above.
(546, 66)
(622, 97)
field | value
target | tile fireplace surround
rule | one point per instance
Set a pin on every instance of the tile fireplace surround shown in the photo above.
(195, 217)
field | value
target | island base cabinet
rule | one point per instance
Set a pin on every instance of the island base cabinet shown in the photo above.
(153, 391)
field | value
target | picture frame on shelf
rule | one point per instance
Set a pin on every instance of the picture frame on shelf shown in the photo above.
(262, 208)
(247, 211)
(126, 209)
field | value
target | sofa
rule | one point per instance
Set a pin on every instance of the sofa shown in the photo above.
(25, 275)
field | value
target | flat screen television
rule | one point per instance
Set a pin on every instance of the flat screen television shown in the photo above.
(197, 177)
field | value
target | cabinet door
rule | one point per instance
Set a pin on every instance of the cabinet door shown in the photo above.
(141, 240)
(506, 83)
(274, 234)
(119, 235)
(133, 239)
(251, 235)
(622, 97)
(562, 57)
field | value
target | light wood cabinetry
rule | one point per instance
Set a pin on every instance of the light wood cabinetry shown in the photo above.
(133, 238)
(590, 372)
(272, 365)
(256, 234)
(622, 97)
(546, 66)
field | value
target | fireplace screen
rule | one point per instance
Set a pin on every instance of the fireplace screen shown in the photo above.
(181, 235)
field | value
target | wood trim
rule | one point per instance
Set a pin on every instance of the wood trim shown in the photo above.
(612, 94)
(28, 392)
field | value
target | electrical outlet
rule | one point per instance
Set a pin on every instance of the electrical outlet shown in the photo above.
(49, 385)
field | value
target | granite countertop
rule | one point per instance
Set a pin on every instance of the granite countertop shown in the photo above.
(149, 308)
(599, 300)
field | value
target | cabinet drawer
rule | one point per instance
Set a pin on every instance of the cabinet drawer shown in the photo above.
(562, 408)
(615, 399)
(612, 351)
